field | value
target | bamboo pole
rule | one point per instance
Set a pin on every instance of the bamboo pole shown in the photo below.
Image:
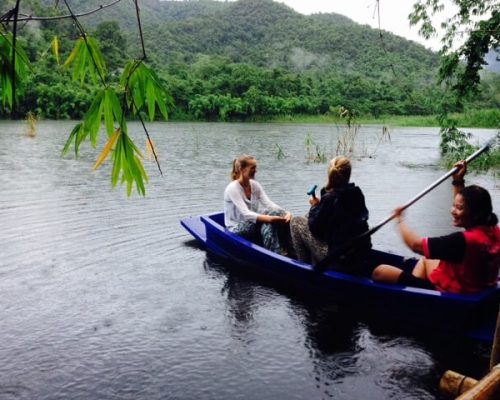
(453, 384)
(495, 349)
(487, 388)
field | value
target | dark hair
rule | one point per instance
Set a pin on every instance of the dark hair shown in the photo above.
(478, 202)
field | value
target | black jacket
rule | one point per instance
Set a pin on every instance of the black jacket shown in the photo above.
(340, 216)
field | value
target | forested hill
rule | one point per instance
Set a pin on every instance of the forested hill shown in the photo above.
(236, 60)
(265, 33)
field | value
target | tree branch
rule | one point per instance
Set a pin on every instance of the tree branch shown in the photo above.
(35, 18)
(137, 11)
(13, 72)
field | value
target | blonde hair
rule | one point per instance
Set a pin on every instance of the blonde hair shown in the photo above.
(240, 163)
(339, 172)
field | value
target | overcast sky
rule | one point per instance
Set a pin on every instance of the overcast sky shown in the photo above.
(393, 14)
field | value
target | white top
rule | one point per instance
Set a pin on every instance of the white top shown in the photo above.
(238, 208)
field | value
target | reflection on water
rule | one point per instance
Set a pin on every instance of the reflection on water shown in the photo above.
(105, 297)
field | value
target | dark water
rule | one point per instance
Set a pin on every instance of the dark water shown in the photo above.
(104, 297)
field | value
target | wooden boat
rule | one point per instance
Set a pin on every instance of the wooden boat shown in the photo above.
(471, 315)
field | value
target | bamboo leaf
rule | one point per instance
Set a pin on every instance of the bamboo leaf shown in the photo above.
(150, 149)
(81, 134)
(135, 148)
(116, 107)
(100, 64)
(6, 66)
(107, 148)
(71, 138)
(142, 170)
(55, 49)
(161, 104)
(145, 90)
(140, 177)
(7, 91)
(151, 99)
(136, 174)
(86, 58)
(126, 73)
(138, 97)
(127, 167)
(92, 118)
(91, 69)
(96, 125)
(82, 63)
(108, 113)
(73, 54)
(115, 173)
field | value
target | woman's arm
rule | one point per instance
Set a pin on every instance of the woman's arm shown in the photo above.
(262, 197)
(266, 202)
(458, 181)
(270, 219)
(411, 238)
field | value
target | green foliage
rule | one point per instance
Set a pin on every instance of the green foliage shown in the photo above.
(50, 92)
(455, 142)
(112, 42)
(127, 166)
(6, 67)
(144, 90)
(86, 58)
(455, 146)
(477, 21)
(479, 118)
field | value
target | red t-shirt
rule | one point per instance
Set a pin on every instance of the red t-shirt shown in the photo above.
(469, 260)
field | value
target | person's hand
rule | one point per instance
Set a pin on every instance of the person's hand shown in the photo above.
(285, 219)
(398, 214)
(462, 169)
(313, 201)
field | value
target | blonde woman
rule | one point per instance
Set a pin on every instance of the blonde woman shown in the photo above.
(249, 213)
(336, 218)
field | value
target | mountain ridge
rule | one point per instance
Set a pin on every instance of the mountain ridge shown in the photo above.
(267, 34)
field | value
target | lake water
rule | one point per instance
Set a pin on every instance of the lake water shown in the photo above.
(107, 297)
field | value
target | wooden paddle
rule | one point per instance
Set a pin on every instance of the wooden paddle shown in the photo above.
(343, 249)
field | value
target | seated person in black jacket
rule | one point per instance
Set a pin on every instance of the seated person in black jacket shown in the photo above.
(334, 220)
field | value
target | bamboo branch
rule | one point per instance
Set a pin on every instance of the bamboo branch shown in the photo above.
(84, 36)
(35, 18)
(13, 72)
(137, 11)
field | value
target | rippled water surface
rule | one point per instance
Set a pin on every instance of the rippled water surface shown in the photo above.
(107, 297)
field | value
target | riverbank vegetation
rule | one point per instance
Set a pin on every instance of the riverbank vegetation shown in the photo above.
(468, 119)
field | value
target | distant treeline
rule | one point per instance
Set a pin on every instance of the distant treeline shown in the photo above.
(215, 89)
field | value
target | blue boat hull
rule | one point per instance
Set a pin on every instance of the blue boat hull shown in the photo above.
(470, 315)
